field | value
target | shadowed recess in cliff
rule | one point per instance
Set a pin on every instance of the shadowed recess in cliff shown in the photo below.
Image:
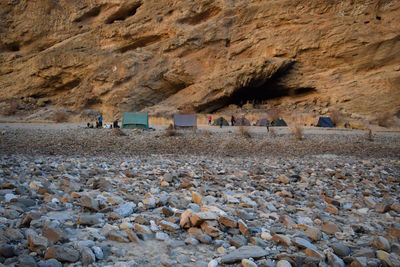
(201, 17)
(124, 12)
(142, 42)
(91, 13)
(257, 92)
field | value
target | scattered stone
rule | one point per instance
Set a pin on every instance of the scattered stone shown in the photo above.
(117, 236)
(197, 198)
(62, 254)
(50, 263)
(283, 263)
(330, 228)
(244, 252)
(302, 243)
(228, 221)
(282, 239)
(169, 226)
(88, 257)
(7, 251)
(90, 203)
(335, 261)
(381, 243)
(313, 233)
(88, 219)
(340, 249)
(248, 263)
(125, 209)
(26, 261)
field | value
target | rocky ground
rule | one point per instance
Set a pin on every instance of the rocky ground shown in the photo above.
(72, 197)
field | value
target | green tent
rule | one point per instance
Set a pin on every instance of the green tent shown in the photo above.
(220, 121)
(279, 122)
(135, 120)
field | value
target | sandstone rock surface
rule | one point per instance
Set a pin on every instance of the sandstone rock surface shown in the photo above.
(125, 55)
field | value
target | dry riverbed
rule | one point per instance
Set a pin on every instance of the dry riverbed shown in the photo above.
(72, 196)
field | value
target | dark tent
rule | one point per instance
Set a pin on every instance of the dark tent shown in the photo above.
(220, 121)
(279, 122)
(325, 122)
(263, 122)
(242, 122)
(135, 121)
(185, 121)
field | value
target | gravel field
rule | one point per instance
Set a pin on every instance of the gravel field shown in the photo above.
(71, 196)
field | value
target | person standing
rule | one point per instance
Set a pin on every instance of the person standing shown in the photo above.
(115, 124)
(209, 118)
(233, 120)
(100, 120)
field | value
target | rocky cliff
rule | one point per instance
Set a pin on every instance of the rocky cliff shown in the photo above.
(121, 55)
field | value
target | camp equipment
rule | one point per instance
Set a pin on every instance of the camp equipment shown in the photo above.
(325, 122)
(185, 121)
(135, 120)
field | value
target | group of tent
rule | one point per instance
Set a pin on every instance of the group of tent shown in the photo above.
(242, 121)
(141, 121)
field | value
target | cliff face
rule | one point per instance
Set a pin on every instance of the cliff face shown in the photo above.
(120, 55)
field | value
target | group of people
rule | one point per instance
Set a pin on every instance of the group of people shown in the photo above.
(99, 123)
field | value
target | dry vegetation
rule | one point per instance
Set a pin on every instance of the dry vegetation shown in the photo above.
(244, 132)
(336, 116)
(170, 131)
(11, 109)
(272, 132)
(297, 131)
(118, 132)
(60, 116)
(385, 119)
(369, 136)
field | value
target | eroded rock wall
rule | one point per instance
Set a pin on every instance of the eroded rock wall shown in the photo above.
(120, 55)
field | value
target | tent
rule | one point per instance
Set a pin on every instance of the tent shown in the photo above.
(278, 122)
(185, 121)
(135, 120)
(219, 121)
(263, 122)
(325, 122)
(242, 122)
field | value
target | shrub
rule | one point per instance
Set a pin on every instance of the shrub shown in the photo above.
(11, 109)
(297, 132)
(336, 115)
(385, 119)
(244, 132)
(170, 131)
(206, 133)
(369, 136)
(60, 116)
(118, 132)
(272, 132)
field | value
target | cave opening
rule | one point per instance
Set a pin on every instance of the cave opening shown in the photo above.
(257, 92)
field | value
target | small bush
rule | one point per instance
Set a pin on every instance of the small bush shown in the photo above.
(170, 131)
(244, 132)
(297, 132)
(272, 132)
(206, 134)
(60, 116)
(385, 119)
(336, 115)
(369, 136)
(118, 132)
(11, 109)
